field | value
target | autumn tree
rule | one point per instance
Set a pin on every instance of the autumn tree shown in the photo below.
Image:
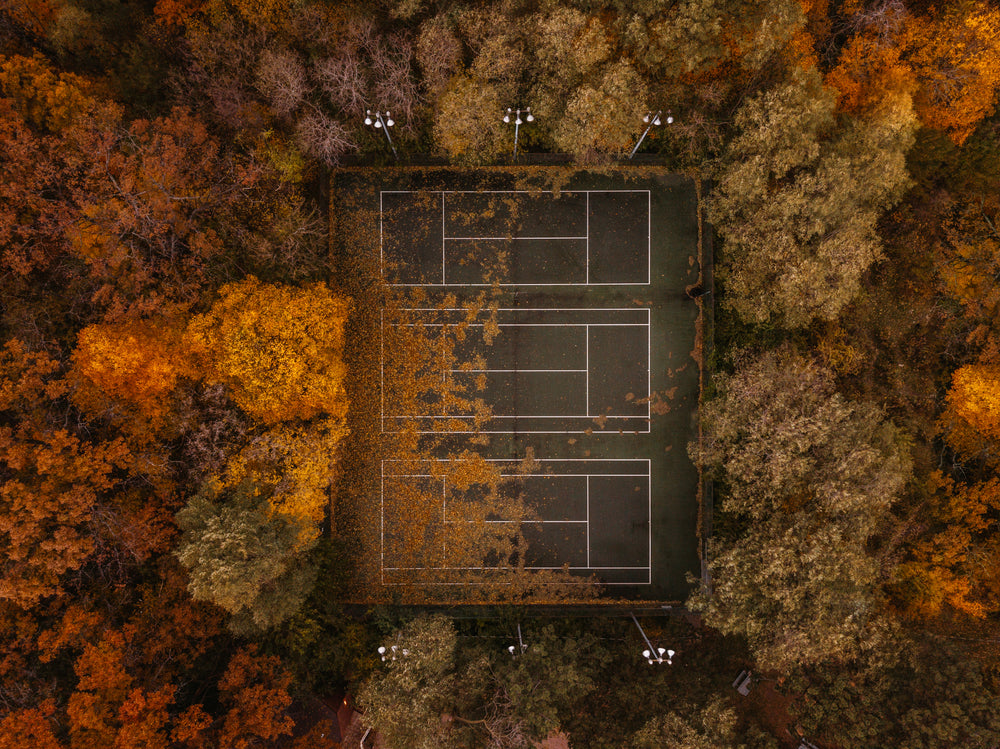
(605, 117)
(926, 693)
(46, 121)
(142, 225)
(798, 197)
(809, 477)
(472, 696)
(244, 557)
(695, 36)
(254, 690)
(277, 348)
(438, 54)
(404, 703)
(298, 464)
(712, 726)
(50, 480)
(468, 128)
(139, 363)
(952, 561)
(955, 57)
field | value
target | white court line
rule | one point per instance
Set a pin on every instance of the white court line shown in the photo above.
(649, 517)
(518, 416)
(463, 323)
(490, 285)
(534, 371)
(467, 583)
(444, 261)
(524, 431)
(587, 384)
(533, 475)
(519, 460)
(493, 192)
(529, 431)
(587, 260)
(528, 309)
(381, 361)
(492, 569)
(504, 239)
(522, 522)
(382, 523)
(649, 364)
(588, 520)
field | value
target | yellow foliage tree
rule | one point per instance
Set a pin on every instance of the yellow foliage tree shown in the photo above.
(48, 98)
(974, 398)
(299, 462)
(278, 348)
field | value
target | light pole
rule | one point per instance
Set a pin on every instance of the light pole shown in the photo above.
(651, 119)
(528, 117)
(653, 655)
(384, 123)
(511, 649)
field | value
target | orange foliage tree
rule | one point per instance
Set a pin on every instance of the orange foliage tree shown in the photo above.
(147, 213)
(949, 61)
(254, 690)
(956, 59)
(955, 562)
(51, 480)
(137, 361)
(277, 348)
(42, 157)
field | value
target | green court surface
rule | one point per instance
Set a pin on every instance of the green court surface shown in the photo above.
(594, 368)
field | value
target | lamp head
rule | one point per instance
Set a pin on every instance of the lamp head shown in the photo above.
(669, 119)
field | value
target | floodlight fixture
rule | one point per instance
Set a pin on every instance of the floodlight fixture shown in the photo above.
(653, 654)
(528, 117)
(651, 119)
(383, 123)
(521, 646)
(392, 652)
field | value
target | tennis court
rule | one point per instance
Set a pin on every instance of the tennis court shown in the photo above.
(590, 516)
(572, 238)
(591, 368)
(552, 371)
